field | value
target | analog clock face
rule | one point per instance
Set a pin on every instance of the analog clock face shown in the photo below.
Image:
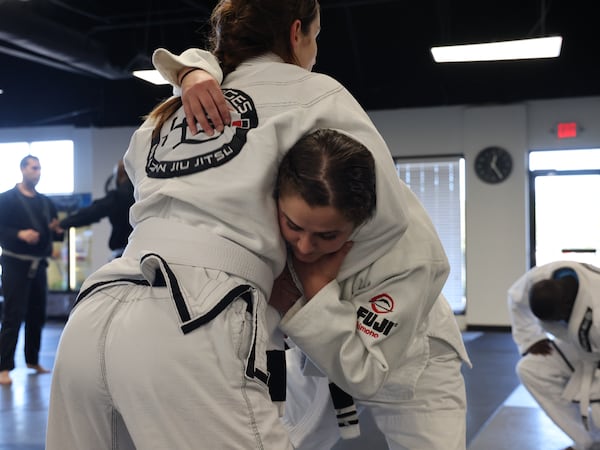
(493, 164)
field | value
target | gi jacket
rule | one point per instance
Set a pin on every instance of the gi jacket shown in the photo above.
(208, 201)
(114, 205)
(18, 212)
(376, 323)
(377, 316)
(582, 330)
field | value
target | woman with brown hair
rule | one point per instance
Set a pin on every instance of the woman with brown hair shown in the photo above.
(166, 346)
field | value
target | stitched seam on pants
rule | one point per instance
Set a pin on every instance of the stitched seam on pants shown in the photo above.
(113, 425)
(259, 444)
(251, 416)
(103, 374)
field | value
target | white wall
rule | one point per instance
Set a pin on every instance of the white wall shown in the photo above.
(497, 215)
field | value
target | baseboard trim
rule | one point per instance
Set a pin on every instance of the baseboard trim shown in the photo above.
(498, 328)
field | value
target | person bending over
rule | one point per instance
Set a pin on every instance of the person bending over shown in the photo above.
(398, 354)
(166, 346)
(554, 326)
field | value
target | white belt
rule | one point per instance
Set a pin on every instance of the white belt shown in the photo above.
(35, 261)
(180, 243)
(579, 387)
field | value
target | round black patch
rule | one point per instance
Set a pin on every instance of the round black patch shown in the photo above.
(179, 153)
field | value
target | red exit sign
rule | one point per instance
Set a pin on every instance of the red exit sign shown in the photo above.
(566, 130)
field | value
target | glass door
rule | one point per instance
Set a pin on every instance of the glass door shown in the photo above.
(564, 216)
(71, 261)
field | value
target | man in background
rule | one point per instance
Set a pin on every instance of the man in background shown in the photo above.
(28, 225)
(555, 326)
(115, 205)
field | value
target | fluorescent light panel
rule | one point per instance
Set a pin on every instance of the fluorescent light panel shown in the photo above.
(151, 76)
(548, 47)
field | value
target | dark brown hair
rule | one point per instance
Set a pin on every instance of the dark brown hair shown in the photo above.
(329, 168)
(243, 29)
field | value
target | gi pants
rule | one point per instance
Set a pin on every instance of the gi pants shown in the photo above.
(547, 376)
(164, 366)
(434, 419)
(25, 296)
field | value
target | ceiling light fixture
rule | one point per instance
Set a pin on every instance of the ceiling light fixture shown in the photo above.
(546, 47)
(152, 76)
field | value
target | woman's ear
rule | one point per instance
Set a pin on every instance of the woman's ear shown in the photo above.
(295, 34)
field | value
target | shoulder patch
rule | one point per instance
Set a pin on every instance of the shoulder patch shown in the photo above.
(371, 323)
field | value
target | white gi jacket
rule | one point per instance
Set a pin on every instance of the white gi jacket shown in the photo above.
(223, 216)
(205, 204)
(369, 332)
(390, 288)
(582, 330)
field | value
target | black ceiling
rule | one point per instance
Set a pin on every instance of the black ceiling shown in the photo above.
(68, 61)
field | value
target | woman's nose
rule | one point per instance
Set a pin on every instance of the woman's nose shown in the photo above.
(305, 244)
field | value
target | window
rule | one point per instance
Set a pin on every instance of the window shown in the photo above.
(564, 223)
(56, 159)
(564, 160)
(439, 184)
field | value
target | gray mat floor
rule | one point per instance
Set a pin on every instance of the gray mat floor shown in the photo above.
(501, 414)
(520, 424)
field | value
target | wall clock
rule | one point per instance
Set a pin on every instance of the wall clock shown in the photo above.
(493, 164)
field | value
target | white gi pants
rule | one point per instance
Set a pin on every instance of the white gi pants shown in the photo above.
(546, 376)
(127, 377)
(434, 419)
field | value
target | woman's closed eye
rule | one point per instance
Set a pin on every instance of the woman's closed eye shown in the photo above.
(293, 226)
(327, 236)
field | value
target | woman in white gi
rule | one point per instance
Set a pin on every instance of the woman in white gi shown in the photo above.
(383, 334)
(166, 346)
(554, 310)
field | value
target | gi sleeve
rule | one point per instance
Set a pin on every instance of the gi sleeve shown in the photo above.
(99, 209)
(359, 335)
(8, 231)
(169, 65)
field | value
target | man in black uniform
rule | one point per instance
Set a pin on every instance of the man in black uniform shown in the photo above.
(28, 225)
